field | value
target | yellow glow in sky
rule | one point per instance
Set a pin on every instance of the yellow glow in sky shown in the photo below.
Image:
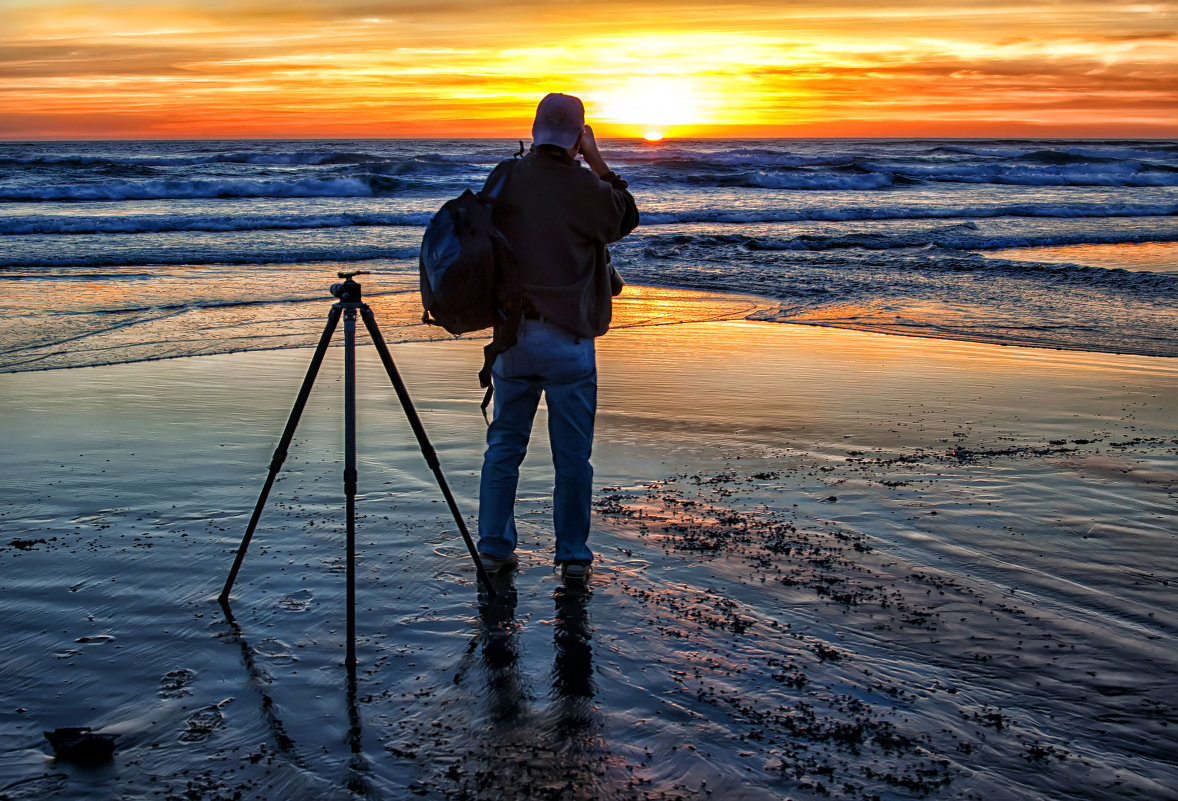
(320, 68)
(651, 103)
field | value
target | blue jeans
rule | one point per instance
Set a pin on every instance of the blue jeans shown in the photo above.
(547, 359)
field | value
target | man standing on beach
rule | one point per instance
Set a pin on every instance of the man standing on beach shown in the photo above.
(558, 218)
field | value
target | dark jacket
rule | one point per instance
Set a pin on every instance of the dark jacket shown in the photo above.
(558, 217)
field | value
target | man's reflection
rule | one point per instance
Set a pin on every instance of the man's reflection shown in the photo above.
(501, 649)
(573, 684)
(572, 672)
(531, 738)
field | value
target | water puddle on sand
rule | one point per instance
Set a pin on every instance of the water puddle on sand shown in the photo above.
(1158, 257)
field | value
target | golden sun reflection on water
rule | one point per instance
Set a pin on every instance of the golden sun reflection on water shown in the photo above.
(785, 385)
(642, 305)
(1144, 256)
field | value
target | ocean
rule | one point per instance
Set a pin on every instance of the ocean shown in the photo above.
(117, 252)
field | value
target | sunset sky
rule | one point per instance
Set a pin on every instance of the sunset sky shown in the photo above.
(348, 68)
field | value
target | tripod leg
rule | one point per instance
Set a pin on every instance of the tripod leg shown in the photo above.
(280, 452)
(350, 475)
(427, 450)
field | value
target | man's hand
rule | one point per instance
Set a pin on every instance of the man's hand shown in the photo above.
(591, 154)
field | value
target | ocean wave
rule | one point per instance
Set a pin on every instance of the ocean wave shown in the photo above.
(964, 236)
(1086, 172)
(294, 158)
(145, 257)
(1034, 152)
(852, 213)
(161, 223)
(784, 158)
(1066, 157)
(257, 158)
(736, 157)
(917, 272)
(347, 186)
(861, 165)
(419, 165)
(311, 158)
(38, 160)
(488, 159)
(1063, 170)
(764, 179)
(966, 150)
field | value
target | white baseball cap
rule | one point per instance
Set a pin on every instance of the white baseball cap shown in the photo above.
(560, 119)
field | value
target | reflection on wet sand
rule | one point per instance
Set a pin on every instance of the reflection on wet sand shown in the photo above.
(528, 748)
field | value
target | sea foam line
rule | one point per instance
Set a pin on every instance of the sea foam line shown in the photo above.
(160, 223)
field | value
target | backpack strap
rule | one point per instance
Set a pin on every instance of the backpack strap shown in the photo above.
(496, 182)
(506, 335)
(506, 331)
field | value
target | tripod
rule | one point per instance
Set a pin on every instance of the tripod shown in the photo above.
(349, 305)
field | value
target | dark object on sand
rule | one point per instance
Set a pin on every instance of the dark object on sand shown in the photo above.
(80, 745)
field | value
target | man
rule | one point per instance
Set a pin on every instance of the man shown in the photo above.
(558, 218)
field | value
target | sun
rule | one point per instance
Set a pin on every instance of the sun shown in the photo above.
(650, 104)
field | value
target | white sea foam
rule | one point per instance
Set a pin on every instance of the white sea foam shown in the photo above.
(924, 212)
(24, 224)
(157, 223)
(182, 189)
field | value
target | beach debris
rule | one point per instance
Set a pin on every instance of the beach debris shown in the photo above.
(26, 545)
(81, 745)
(296, 601)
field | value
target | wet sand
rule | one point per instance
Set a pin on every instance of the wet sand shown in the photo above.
(831, 564)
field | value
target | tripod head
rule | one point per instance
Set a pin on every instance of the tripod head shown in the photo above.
(349, 290)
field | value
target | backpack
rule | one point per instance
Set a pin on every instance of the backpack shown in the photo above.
(462, 259)
(467, 278)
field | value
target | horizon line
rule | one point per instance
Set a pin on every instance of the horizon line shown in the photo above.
(650, 143)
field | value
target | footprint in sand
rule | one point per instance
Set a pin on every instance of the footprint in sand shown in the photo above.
(176, 683)
(276, 651)
(203, 722)
(296, 601)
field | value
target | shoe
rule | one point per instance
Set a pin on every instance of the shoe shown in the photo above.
(574, 573)
(496, 564)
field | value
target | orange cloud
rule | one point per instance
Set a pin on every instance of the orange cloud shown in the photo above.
(307, 68)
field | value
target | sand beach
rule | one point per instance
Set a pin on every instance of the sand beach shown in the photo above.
(831, 564)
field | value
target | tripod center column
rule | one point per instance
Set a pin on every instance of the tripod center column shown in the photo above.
(350, 476)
